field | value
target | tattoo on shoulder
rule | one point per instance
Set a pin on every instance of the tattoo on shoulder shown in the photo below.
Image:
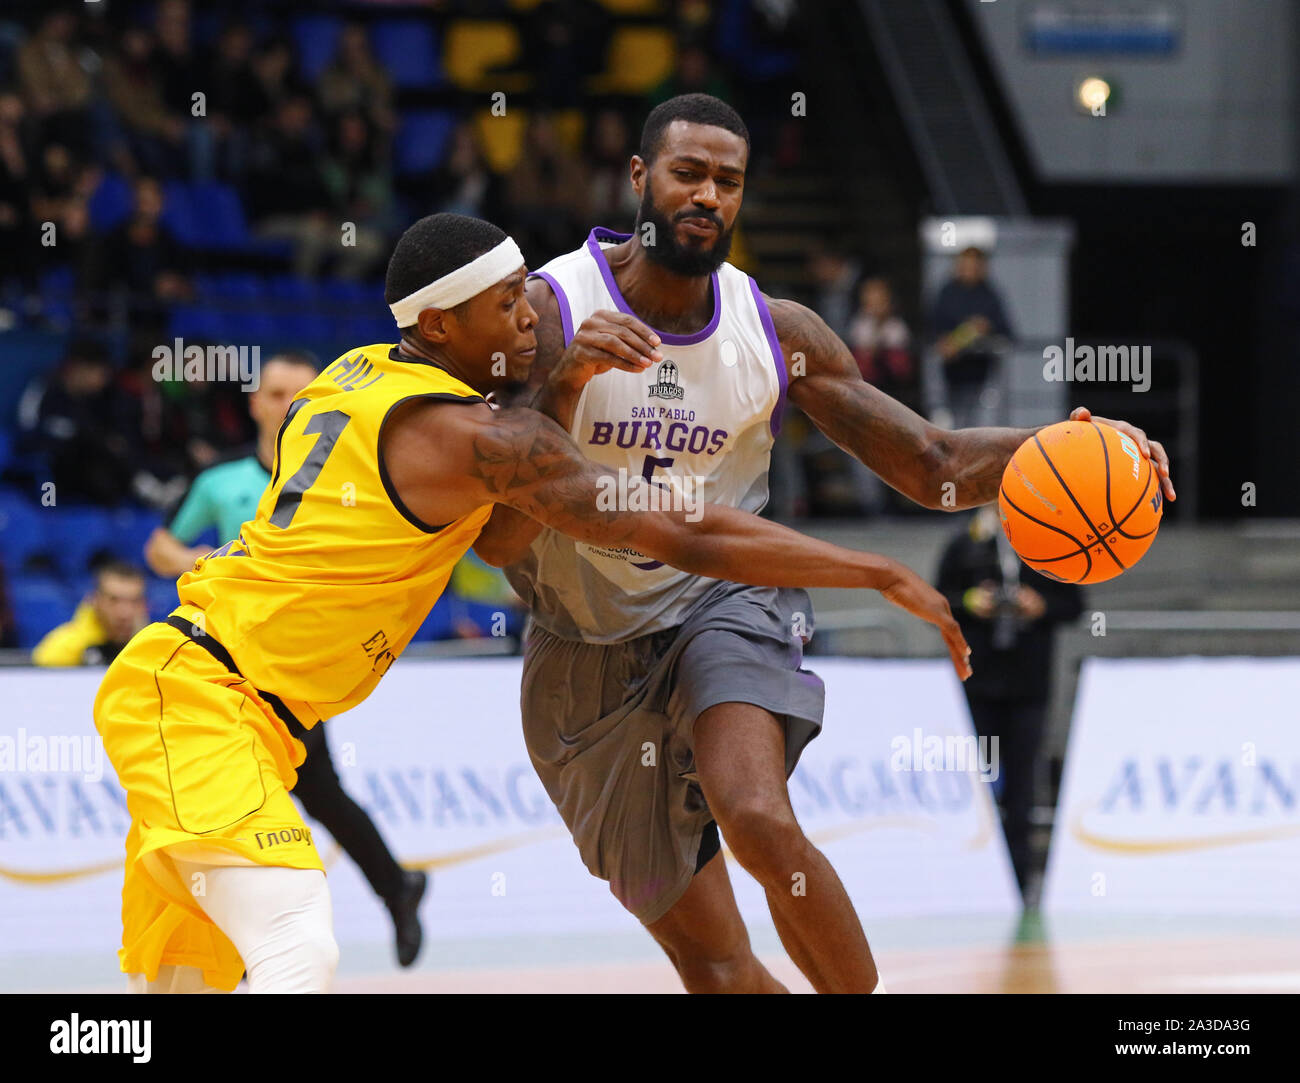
(527, 458)
(517, 449)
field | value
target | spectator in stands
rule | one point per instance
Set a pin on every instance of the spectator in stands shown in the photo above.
(880, 340)
(81, 421)
(183, 72)
(545, 192)
(76, 250)
(611, 200)
(567, 44)
(835, 278)
(232, 95)
(354, 80)
(463, 183)
(881, 345)
(182, 68)
(153, 136)
(57, 180)
(695, 73)
(288, 195)
(275, 77)
(225, 495)
(360, 185)
(55, 80)
(235, 99)
(1008, 614)
(17, 230)
(103, 623)
(143, 264)
(968, 322)
(180, 427)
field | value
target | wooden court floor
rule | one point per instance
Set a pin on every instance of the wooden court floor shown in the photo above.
(1033, 955)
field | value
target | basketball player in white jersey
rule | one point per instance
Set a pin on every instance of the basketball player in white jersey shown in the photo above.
(660, 706)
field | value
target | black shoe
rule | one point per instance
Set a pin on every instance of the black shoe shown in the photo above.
(405, 910)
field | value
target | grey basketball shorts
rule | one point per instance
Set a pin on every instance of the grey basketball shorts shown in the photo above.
(609, 730)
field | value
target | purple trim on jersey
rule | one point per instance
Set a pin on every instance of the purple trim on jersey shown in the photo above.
(778, 358)
(600, 233)
(566, 315)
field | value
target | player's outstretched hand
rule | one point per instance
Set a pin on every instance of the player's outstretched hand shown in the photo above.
(607, 340)
(909, 591)
(1151, 449)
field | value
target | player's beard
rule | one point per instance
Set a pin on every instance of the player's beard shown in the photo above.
(668, 252)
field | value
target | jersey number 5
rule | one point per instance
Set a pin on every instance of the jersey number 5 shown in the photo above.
(327, 427)
(647, 472)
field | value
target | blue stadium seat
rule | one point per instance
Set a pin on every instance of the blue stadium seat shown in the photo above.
(111, 202)
(239, 285)
(484, 615)
(206, 286)
(199, 322)
(76, 534)
(343, 289)
(293, 327)
(131, 530)
(248, 328)
(224, 225)
(182, 214)
(22, 530)
(407, 49)
(289, 288)
(422, 140)
(367, 330)
(161, 595)
(40, 603)
(438, 624)
(316, 39)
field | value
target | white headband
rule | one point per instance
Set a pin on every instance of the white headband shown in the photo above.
(461, 284)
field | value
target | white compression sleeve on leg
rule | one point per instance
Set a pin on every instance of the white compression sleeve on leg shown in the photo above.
(280, 920)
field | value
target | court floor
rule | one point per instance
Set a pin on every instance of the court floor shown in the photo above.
(1032, 953)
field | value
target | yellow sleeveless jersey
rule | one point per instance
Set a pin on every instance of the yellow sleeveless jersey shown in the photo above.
(325, 587)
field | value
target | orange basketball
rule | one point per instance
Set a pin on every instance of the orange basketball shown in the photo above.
(1079, 503)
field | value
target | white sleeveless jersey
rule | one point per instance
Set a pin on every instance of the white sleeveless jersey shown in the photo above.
(699, 424)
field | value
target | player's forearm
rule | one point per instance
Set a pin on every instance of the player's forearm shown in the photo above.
(967, 466)
(730, 544)
(509, 533)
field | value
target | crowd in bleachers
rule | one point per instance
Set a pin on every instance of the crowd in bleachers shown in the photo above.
(176, 170)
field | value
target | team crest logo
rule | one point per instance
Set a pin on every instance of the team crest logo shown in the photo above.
(666, 385)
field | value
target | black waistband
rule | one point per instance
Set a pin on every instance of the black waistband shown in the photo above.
(209, 644)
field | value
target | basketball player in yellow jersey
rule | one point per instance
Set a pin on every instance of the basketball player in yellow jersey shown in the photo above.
(386, 469)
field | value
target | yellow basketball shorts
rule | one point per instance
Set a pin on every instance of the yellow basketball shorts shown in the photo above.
(207, 765)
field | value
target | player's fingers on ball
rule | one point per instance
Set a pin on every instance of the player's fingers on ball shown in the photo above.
(1080, 413)
(1144, 445)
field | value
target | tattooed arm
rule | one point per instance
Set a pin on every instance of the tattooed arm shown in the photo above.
(446, 459)
(605, 340)
(910, 454)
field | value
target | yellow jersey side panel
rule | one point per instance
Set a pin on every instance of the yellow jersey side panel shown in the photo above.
(328, 583)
